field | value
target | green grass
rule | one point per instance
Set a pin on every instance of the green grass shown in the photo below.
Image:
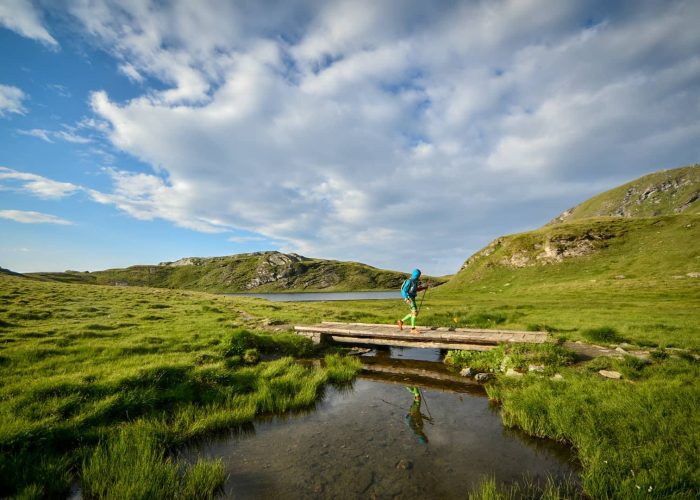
(634, 438)
(81, 364)
(89, 379)
(131, 464)
(646, 197)
(527, 488)
(519, 357)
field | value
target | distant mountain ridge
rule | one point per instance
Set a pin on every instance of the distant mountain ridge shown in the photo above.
(251, 272)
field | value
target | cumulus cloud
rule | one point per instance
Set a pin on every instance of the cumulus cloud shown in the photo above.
(392, 132)
(21, 17)
(28, 217)
(11, 100)
(36, 184)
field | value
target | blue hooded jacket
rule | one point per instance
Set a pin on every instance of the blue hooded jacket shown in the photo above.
(409, 289)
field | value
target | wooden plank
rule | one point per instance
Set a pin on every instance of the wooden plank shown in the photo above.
(414, 372)
(424, 335)
(411, 343)
(485, 331)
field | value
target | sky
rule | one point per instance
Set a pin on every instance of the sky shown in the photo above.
(396, 133)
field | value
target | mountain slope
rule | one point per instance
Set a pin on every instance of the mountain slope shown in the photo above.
(618, 234)
(252, 272)
(668, 192)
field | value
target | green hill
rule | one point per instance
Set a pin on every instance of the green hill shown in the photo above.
(252, 272)
(646, 229)
(668, 192)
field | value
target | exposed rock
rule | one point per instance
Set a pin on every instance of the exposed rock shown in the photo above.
(557, 376)
(693, 275)
(467, 372)
(512, 373)
(483, 377)
(535, 368)
(187, 261)
(687, 204)
(610, 374)
(490, 249)
(275, 267)
(620, 277)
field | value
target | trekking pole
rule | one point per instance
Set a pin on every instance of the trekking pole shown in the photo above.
(426, 404)
(421, 300)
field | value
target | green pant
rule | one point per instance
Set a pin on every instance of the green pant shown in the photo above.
(414, 311)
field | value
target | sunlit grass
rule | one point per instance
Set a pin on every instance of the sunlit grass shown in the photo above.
(90, 378)
(633, 438)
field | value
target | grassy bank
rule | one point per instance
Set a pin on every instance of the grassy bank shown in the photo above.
(94, 376)
(635, 437)
(88, 369)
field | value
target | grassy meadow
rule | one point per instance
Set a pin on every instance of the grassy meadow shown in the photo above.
(94, 377)
(98, 375)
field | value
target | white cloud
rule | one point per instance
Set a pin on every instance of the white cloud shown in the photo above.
(21, 17)
(64, 135)
(11, 100)
(245, 239)
(392, 132)
(28, 217)
(37, 185)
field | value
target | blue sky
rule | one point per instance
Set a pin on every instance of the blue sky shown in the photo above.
(396, 133)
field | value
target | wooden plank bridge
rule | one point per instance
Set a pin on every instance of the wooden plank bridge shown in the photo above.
(472, 339)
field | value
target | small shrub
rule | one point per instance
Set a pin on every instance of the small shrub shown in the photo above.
(602, 334)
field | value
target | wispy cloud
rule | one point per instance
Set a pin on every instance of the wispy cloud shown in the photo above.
(245, 239)
(37, 185)
(21, 17)
(11, 99)
(50, 135)
(28, 217)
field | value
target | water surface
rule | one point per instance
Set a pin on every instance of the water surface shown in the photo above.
(374, 440)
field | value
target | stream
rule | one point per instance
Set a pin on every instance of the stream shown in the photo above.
(406, 428)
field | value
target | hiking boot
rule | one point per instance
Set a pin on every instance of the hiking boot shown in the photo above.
(400, 323)
(414, 330)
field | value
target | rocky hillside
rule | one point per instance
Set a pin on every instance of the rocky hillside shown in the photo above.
(668, 192)
(252, 272)
(647, 228)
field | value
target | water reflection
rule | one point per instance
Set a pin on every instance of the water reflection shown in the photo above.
(414, 418)
(385, 438)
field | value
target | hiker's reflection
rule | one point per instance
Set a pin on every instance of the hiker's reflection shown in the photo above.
(414, 417)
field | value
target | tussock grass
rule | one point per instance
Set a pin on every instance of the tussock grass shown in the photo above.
(112, 404)
(131, 464)
(604, 334)
(633, 439)
(517, 356)
(527, 488)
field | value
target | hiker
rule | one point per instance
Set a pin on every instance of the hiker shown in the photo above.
(409, 290)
